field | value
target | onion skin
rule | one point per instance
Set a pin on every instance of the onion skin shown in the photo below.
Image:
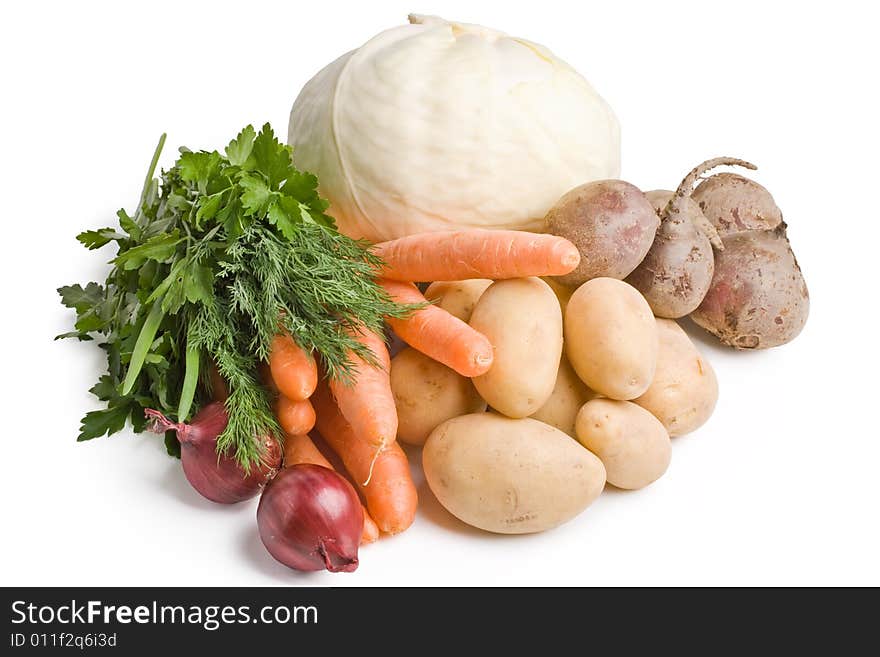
(310, 518)
(217, 477)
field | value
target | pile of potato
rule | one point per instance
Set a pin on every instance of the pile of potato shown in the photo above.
(586, 387)
(592, 374)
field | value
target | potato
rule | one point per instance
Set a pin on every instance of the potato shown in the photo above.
(457, 297)
(684, 390)
(522, 319)
(611, 338)
(510, 476)
(632, 444)
(428, 393)
(569, 394)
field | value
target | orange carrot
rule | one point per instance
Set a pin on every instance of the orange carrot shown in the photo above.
(391, 495)
(438, 334)
(476, 253)
(295, 417)
(301, 449)
(368, 404)
(293, 370)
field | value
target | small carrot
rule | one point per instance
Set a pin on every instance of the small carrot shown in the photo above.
(293, 370)
(295, 417)
(301, 449)
(368, 403)
(438, 334)
(476, 253)
(391, 494)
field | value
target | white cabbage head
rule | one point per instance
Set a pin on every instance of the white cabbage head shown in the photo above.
(438, 125)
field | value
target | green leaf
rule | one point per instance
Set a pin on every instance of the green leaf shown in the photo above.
(105, 388)
(138, 419)
(284, 212)
(128, 225)
(106, 421)
(145, 339)
(256, 195)
(95, 239)
(82, 337)
(239, 149)
(199, 167)
(159, 248)
(173, 281)
(190, 380)
(90, 321)
(82, 299)
(272, 157)
(208, 207)
(199, 284)
(172, 445)
(303, 186)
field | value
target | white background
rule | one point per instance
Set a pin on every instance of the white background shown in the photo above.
(781, 487)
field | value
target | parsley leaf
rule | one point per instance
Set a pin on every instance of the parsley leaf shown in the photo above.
(79, 298)
(106, 421)
(159, 248)
(255, 198)
(239, 150)
(95, 239)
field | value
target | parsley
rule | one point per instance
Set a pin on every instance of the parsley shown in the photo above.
(224, 251)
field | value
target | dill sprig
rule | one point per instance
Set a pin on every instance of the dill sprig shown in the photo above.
(223, 253)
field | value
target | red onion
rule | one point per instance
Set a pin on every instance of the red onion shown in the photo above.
(216, 476)
(310, 518)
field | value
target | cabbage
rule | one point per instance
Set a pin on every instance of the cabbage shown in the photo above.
(438, 125)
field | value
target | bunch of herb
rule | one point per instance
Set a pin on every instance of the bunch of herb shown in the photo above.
(223, 252)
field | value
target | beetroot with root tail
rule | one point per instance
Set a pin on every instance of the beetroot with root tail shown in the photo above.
(677, 271)
(310, 518)
(758, 298)
(217, 477)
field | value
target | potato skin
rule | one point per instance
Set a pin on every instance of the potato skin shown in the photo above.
(611, 338)
(427, 393)
(631, 443)
(523, 321)
(458, 298)
(684, 391)
(569, 394)
(612, 224)
(510, 476)
(758, 298)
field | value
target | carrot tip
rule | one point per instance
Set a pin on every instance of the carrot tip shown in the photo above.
(571, 260)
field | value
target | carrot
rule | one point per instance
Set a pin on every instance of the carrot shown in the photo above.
(476, 253)
(293, 370)
(301, 449)
(391, 494)
(368, 404)
(438, 334)
(295, 417)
